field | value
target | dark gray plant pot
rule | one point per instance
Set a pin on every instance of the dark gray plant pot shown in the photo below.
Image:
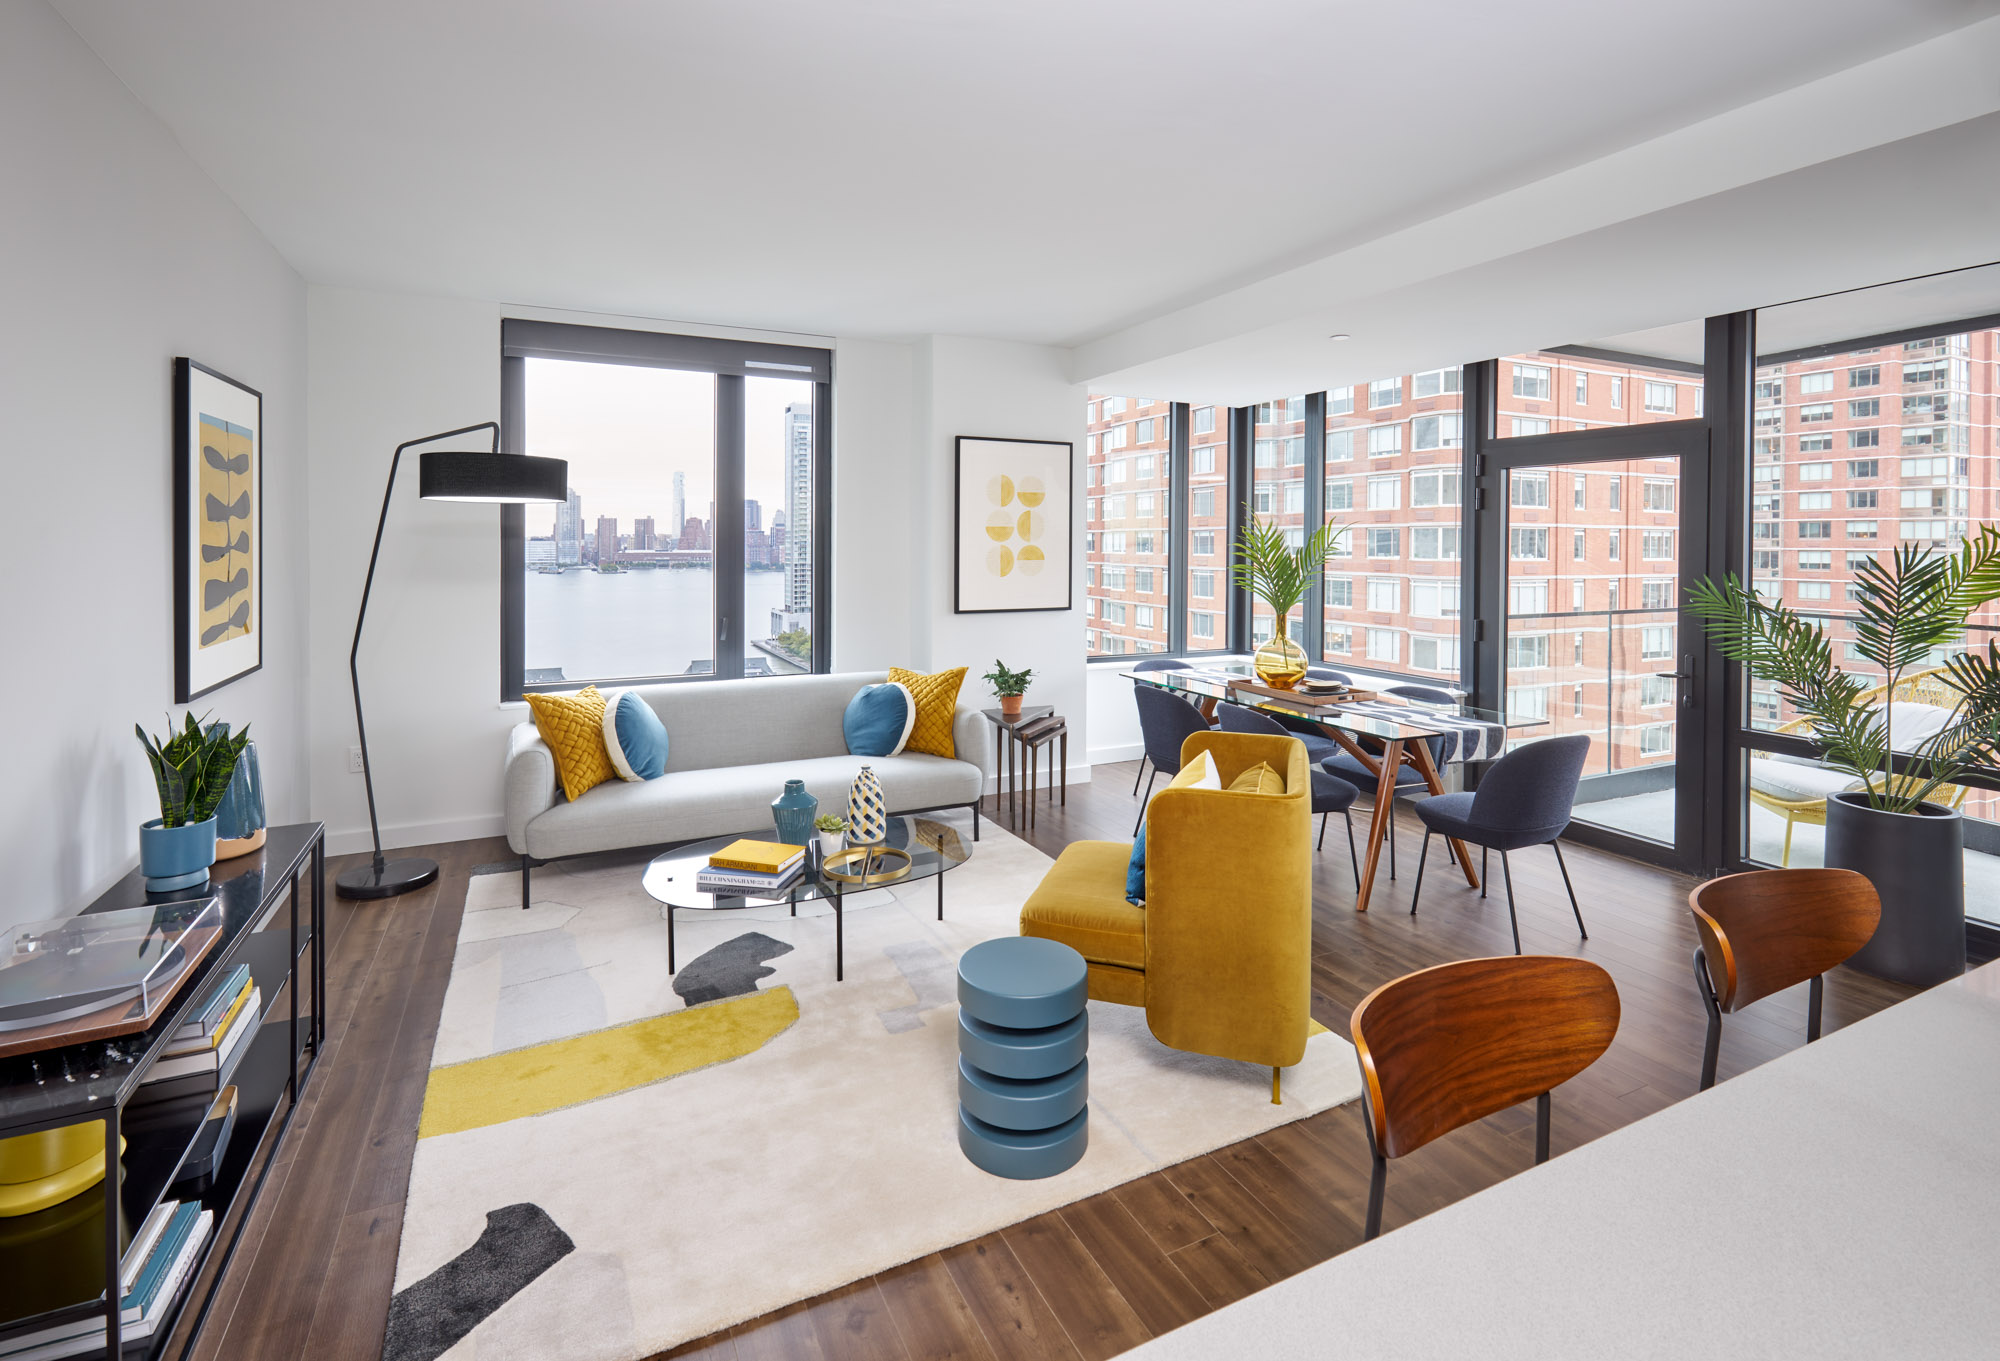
(1917, 863)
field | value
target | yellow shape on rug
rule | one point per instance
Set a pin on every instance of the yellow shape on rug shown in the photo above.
(569, 1072)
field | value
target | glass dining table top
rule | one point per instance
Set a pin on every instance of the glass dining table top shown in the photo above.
(1391, 718)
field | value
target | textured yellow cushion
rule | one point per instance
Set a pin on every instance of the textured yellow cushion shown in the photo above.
(937, 701)
(1258, 779)
(573, 726)
(1081, 902)
(1198, 772)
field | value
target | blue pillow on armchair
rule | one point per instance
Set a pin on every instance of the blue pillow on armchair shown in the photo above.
(1135, 873)
(634, 738)
(878, 719)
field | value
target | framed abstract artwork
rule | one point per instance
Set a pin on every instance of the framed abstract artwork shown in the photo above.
(1014, 524)
(218, 530)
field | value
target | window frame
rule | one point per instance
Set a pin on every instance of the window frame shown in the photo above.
(731, 361)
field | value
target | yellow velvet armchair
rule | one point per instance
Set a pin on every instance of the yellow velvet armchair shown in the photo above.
(1221, 954)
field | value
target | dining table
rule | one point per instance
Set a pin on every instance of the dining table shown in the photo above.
(1384, 732)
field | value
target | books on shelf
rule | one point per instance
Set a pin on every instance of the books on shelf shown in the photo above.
(748, 883)
(207, 1018)
(203, 1069)
(757, 857)
(158, 1265)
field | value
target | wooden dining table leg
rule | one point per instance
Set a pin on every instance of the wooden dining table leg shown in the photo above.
(1385, 804)
(1420, 757)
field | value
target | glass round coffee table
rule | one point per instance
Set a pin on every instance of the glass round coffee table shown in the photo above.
(933, 847)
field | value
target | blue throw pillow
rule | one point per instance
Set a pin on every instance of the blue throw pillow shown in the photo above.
(634, 738)
(1135, 873)
(878, 719)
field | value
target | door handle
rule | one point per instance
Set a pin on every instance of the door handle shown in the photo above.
(1686, 673)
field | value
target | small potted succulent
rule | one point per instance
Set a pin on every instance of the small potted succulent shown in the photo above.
(1009, 686)
(829, 826)
(192, 769)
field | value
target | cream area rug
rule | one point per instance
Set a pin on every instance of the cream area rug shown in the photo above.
(611, 1166)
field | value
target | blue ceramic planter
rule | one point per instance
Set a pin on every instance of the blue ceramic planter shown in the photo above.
(792, 812)
(176, 857)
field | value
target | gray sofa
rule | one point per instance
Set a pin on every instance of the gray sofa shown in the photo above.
(731, 745)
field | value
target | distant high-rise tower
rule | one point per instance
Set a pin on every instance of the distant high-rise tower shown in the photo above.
(643, 535)
(680, 502)
(569, 531)
(607, 539)
(798, 507)
(753, 515)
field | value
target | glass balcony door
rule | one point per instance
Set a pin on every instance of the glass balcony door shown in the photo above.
(1597, 538)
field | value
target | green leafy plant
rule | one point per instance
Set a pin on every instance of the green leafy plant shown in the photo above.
(1908, 608)
(1005, 682)
(192, 768)
(798, 642)
(1273, 571)
(827, 822)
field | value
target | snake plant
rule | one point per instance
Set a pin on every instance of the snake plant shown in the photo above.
(192, 768)
(1907, 609)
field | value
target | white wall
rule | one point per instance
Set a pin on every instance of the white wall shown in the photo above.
(1009, 390)
(120, 255)
(386, 368)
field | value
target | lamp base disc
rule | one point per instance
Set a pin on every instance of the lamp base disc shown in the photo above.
(390, 878)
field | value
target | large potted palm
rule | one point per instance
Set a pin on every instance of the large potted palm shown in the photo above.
(1278, 574)
(1889, 826)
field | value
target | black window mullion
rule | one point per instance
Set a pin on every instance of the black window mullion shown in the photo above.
(513, 535)
(821, 528)
(1482, 562)
(1242, 441)
(1178, 430)
(1727, 385)
(726, 535)
(1313, 633)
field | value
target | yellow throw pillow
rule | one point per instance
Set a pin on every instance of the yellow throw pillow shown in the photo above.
(937, 702)
(573, 726)
(1258, 779)
(1199, 773)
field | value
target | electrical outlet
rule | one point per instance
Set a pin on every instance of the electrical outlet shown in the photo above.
(354, 760)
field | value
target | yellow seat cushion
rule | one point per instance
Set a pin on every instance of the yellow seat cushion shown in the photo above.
(1081, 902)
(1258, 779)
(573, 726)
(937, 703)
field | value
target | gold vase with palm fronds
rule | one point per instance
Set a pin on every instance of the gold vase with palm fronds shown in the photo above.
(1279, 575)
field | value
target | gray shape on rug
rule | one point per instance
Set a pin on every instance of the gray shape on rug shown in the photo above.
(931, 976)
(731, 969)
(431, 1316)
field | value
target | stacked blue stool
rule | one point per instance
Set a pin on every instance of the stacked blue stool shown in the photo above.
(1023, 1080)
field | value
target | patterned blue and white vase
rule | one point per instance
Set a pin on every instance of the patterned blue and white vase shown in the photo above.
(867, 813)
(792, 813)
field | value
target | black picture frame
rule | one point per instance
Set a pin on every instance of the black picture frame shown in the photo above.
(962, 546)
(217, 643)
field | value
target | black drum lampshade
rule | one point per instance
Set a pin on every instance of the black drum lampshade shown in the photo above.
(479, 475)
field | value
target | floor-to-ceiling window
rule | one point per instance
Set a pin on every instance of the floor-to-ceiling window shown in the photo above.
(1127, 481)
(1862, 447)
(1207, 534)
(1277, 492)
(692, 543)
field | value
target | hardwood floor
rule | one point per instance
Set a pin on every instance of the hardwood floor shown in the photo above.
(313, 1277)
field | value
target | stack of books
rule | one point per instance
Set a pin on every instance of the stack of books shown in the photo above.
(201, 1054)
(752, 869)
(158, 1266)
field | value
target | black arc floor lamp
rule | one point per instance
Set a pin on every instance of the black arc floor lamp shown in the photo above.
(444, 475)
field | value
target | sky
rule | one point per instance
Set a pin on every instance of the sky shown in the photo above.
(626, 430)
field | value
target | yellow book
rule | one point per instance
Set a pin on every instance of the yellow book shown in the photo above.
(759, 857)
(222, 1027)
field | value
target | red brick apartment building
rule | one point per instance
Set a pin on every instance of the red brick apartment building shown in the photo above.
(1853, 453)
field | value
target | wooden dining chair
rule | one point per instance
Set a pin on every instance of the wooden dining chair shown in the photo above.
(1445, 1046)
(1763, 931)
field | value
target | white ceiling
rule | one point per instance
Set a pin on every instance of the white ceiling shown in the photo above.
(1045, 170)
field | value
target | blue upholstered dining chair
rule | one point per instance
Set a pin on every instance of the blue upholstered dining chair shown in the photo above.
(1165, 721)
(1149, 664)
(1331, 794)
(1524, 799)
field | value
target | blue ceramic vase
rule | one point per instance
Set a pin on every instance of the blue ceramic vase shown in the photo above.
(239, 818)
(793, 812)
